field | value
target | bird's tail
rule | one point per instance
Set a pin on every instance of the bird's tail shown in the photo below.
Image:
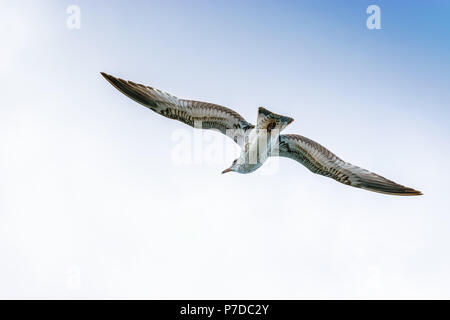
(268, 120)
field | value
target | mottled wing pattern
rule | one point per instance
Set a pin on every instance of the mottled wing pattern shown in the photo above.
(194, 113)
(320, 160)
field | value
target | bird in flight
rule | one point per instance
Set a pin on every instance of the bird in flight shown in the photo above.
(307, 152)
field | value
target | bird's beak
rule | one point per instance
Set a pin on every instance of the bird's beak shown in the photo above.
(226, 170)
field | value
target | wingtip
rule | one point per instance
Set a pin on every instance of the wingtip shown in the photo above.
(111, 79)
(410, 192)
(404, 192)
(413, 192)
(105, 75)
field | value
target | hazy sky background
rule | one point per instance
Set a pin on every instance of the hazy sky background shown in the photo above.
(93, 206)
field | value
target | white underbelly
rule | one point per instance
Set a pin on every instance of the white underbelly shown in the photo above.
(259, 147)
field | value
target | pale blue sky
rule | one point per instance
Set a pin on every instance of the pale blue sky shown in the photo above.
(92, 205)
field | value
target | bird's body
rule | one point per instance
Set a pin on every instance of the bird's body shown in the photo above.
(261, 141)
(250, 158)
(258, 142)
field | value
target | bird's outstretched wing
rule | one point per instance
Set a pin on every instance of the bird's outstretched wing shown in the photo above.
(320, 160)
(194, 113)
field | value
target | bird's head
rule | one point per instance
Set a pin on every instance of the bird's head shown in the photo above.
(235, 166)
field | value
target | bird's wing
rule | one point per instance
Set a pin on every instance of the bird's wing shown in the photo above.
(194, 113)
(320, 160)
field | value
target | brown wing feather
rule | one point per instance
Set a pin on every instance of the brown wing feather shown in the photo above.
(193, 113)
(320, 160)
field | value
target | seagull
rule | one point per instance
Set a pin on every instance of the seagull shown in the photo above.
(307, 152)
